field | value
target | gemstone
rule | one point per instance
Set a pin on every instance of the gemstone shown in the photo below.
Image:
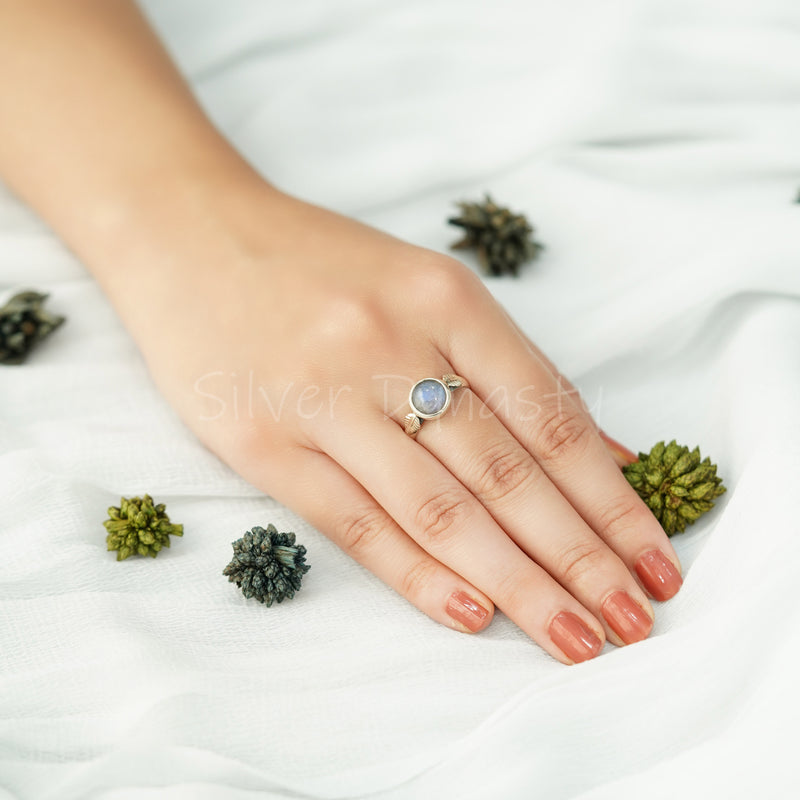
(429, 397)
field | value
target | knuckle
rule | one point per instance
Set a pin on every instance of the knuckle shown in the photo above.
(504, 471)
(578, 561)
(442, 514)
(619, 517)
(562, 432)
(360, 529)
(253, 443)
(439, 281)
(348, 320)
(414, 582)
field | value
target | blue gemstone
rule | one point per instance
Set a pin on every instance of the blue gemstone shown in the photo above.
(429, 397)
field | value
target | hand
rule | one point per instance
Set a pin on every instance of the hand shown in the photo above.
(291, 356)
(511, 498)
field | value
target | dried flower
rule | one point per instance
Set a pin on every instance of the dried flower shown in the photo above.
(267, 565)
(23, 322)
(504, 240)
(138, 526)
(675, 484)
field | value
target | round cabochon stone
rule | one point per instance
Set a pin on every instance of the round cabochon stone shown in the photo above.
(429, 397)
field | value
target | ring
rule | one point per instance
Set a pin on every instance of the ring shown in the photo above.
(429, 399)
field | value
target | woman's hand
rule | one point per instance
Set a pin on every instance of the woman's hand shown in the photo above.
(288, 338)
(292, 355)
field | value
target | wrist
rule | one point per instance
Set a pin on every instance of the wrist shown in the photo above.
(164, 227)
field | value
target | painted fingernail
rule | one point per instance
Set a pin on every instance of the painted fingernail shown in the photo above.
(463, 609)
(659, 575)
(621, 453)
(626, 617)
(573, 638)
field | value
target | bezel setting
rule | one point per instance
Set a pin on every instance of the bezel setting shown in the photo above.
(448, 397)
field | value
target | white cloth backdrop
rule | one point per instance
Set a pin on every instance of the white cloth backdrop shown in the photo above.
(655, 145)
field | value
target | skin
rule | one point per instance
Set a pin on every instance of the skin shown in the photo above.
(266, 322)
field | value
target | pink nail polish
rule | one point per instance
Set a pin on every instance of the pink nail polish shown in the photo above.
(626, 617)
(659, 575)
(621, 453)
(575, 640)
(462, 608)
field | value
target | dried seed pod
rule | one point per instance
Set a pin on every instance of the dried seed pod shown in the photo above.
(23, 323)
(138, 526)
(504, 240)
(267, 565)
(675, 484)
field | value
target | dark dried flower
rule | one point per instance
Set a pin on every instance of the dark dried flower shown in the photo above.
(23, 322)
(267, 565)
(504, 240)
(139, 527)
(675, 484)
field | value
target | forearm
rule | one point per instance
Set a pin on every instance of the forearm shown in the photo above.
(102, 136)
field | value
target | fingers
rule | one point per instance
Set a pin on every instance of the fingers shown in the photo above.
(550, 423)
(446, 520)
(477, 449)
(335, 504)
(621, 454)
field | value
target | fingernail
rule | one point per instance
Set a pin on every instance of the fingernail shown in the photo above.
(626, 617)
(462, 608)
(621, 453)
(659, 575)
(573, 638)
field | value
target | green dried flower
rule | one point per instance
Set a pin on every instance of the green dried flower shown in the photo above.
(138, 526)
(23, 322)
(675, 484)
(504, 240)
(267, 565)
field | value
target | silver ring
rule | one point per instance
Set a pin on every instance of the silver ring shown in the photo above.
(429, 399)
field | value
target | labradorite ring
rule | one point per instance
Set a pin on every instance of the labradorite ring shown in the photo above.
(429, 399)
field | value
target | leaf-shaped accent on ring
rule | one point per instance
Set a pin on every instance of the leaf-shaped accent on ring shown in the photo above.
(454, 381)
(413, 424)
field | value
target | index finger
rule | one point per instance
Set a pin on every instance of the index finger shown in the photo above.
(552, 424)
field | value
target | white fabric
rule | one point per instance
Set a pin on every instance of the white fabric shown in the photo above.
(655, 146)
